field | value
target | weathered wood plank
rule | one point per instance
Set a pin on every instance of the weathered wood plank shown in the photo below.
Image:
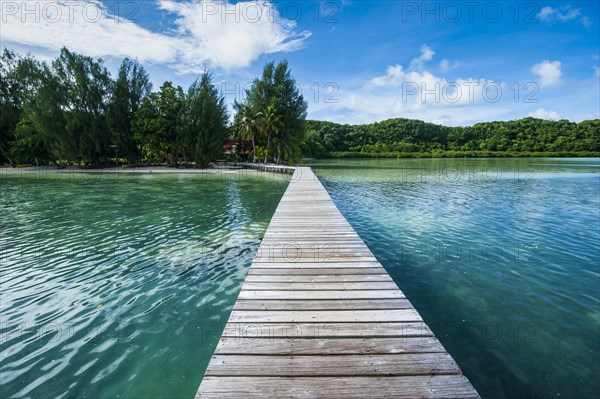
(410, 387)
(315, 265)
(325, 304)
(299, 271)
(327, 286)
(324, 316)
(316, 278)
(249, 332)
(362, 294)
(329, 346)
(332, 365)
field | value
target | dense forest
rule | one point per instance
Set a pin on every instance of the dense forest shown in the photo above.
(72, 112)
(414, 138)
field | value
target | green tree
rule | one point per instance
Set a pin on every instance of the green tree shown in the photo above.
(29, 145)
(248, 126)
(69, 109)
(19, 83)
(10, 101)
(203, 122)
(131, 87)
(270, 125)
(155, 124)
(277, 87)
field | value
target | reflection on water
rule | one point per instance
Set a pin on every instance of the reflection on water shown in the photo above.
(119, 285)
(500, 256)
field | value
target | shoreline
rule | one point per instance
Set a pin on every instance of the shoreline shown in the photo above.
(257, 168)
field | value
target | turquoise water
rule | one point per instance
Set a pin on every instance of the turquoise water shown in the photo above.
(119, 285)
(501, 258)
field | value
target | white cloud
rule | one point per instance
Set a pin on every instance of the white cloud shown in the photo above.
(549, 72)
(232, 35)
(562, 14)
(541, 113)
(446, 65)
(426, 55)
(416, 92)
(597, 71)
(84, 27)
(417, 86)
(215, 34)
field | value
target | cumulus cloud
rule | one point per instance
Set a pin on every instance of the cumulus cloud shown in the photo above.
(215, 34)
(416, 92)
(562, 14)
(541, 113)
(548, 72)
(232, 35)
(418, 86)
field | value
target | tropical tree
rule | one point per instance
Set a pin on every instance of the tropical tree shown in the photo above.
(249, 126)
(277, 86)
(270, 124)
(203, 122)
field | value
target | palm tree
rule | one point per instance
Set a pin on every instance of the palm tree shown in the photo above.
(271, 124)
(286, 145)
(249, 127)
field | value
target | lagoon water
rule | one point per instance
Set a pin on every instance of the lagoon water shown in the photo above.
(501, 257)
(119, 285)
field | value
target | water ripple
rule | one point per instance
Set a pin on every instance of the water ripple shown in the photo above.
(113, 287)
(503, 267)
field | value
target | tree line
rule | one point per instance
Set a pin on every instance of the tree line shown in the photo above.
(413, 138)
(71, 111)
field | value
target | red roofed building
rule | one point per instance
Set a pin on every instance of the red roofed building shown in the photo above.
(243, 148)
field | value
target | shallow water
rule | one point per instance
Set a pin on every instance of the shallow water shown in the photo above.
(119, 285)
(501, 258)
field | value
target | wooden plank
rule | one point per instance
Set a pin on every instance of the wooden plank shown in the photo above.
(248, 332)
(333, 365)
(316, 278)
(315, 265)
(325, 304)
(357, 294)
(328, 286)
(300, 271)
(409, 387)
(324, 316)
(329, 346)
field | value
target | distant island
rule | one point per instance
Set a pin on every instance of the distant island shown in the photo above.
(409, 138)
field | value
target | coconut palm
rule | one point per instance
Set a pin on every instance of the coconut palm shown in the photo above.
(286, 145)
(249, 126)
(271, 124)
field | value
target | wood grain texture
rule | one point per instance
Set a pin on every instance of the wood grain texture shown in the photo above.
(409, 387)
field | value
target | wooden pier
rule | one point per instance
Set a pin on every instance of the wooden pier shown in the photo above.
(319, 317)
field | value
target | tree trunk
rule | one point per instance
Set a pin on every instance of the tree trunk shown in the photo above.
(267, 149)
(253, 151)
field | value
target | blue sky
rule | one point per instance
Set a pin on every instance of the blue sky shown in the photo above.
(448, 62)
